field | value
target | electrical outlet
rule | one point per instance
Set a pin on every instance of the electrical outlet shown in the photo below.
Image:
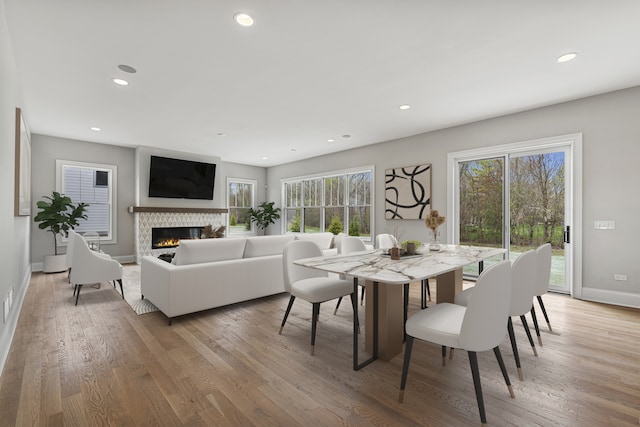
(620, 277)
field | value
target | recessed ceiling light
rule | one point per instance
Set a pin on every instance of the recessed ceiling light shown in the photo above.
(243, 19)
(121, 82)
(220, 133)
(331, 140)
(405, 107)
(293, 150)
(567, 57)
(127, 68)
(346, 136)
(96, 129)
(265, 158)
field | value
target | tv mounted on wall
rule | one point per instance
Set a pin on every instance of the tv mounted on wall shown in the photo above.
(181, 179)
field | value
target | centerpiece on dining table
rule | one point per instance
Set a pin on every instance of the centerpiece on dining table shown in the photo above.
(433, 221)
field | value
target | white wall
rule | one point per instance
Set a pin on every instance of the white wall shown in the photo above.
(14, 252)
(611, 149)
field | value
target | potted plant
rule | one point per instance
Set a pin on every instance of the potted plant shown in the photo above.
(58, 214)
(264, 215)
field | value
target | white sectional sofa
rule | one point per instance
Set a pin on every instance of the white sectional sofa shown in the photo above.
(211, 273)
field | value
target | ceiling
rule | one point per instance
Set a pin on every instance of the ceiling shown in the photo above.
(308, 71)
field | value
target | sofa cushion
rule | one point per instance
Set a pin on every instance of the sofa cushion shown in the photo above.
(266, 245)
(323, 240)
(207, 250)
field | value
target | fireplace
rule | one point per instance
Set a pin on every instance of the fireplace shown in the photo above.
(169, 237)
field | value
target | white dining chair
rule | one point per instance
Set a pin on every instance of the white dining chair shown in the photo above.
(543, 274)
(479, 326)
(311, 285)
(350, 244)
(522, 288)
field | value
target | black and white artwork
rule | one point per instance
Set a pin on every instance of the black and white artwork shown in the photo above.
(408, 192)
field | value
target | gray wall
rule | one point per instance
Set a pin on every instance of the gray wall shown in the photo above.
(45, 151)
(14, 252)
(611, 148)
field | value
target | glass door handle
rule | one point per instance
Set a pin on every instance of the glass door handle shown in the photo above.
(566, 237)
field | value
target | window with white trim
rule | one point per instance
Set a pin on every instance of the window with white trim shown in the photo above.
(335, 202)
(93, 184)
(240, 198)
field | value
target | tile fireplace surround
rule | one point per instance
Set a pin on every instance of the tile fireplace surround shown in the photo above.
(146, 218)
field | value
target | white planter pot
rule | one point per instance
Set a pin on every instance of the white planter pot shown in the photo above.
(54, 263)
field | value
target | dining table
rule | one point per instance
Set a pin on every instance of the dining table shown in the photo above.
(387, 288)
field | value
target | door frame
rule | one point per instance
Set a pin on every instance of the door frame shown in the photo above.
(573, 166)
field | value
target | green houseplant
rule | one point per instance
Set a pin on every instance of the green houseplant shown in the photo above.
(264, 214)
(58, 214)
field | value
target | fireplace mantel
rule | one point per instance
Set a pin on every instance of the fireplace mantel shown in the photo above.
(134, 209)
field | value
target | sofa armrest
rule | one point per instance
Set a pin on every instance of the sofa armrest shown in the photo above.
(155, 281)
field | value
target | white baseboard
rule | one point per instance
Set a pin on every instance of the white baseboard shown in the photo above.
(625, 299)
(6, 337)
(124, 259)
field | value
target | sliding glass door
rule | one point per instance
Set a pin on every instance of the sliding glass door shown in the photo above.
(517, 199)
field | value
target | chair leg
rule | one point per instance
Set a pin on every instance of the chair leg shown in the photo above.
(286, 313)
(362, 296)
(505, 374)
(314, 324)
(526, 329)
(535, 324)
(78, 287)
(121, 290)
(544, 312)
(337, 305)
(444, 355)
(405, 311)
(405, 367)
(475, 373)
(514, 346)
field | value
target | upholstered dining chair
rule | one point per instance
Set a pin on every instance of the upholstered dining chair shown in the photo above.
(89, 267)
(523, 279)
(311, 285)
(543, 274)
(349, 244)
(385, 241)
(479, 326)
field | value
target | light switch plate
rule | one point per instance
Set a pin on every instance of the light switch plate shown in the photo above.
(604, 225)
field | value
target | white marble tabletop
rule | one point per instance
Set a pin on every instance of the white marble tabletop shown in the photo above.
(375, 266)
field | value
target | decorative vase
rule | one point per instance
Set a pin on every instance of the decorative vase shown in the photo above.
(394, 252)
(435, 244)
(411, 248)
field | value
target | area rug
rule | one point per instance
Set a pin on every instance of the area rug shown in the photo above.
(131, 285)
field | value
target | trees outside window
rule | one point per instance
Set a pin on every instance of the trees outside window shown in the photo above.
(240, 199)
(335, 202)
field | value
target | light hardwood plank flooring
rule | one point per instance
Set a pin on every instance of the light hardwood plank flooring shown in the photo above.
(99, 364)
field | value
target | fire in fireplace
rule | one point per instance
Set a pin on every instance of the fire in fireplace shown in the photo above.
(169, 237)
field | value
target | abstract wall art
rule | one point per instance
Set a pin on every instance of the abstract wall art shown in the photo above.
(408, 192)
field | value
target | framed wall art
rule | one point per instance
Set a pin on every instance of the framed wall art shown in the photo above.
(408, 192)
(22, 193)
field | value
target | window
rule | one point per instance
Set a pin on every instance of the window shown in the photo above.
(93, 184)
(336, 202)
(240, 198)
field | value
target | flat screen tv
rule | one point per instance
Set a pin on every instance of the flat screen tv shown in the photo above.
(181, 179)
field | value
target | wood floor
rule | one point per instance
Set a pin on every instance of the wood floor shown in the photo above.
(99, 364)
